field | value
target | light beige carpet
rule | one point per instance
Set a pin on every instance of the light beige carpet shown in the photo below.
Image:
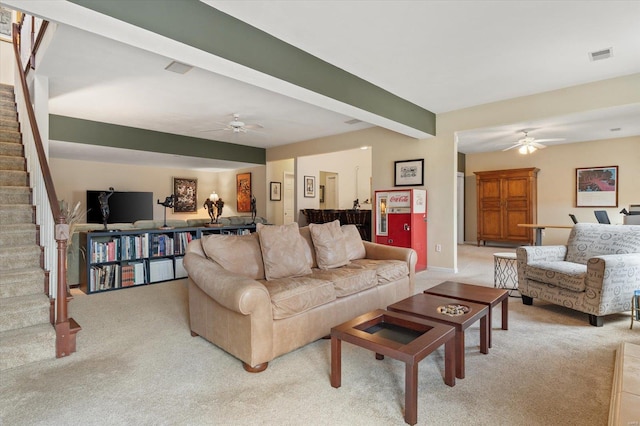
(137, 364)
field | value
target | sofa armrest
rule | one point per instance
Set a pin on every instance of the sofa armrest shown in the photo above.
(384, 252)
(618, 272)
(529, 254)
(235, 292)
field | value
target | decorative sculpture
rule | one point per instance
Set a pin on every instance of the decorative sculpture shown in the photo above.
(103, 199)
(254, 209)
(168, 202)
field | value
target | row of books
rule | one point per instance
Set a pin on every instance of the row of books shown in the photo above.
(108, 277)
(105, 251)
(129, 247)
(160, 270)
(135, 246)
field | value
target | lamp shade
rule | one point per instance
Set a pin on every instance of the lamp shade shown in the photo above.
(214, 197)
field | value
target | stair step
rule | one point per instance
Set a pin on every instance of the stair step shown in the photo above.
(9, 125)
(12, 258)
(24, 311)
(22, 282)
(15, 195)
(8, 111)
(11, 148)
(14, 178)
(10, 136)
(18, 234)
(13, 214)
(12, 163)
(27, 345)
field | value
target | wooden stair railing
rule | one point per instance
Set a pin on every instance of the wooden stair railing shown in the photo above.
(66, 328)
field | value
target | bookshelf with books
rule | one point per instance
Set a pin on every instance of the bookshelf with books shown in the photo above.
(121, 259)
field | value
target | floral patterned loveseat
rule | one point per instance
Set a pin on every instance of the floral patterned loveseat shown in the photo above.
(595, 273)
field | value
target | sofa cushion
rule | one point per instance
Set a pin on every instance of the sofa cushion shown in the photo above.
(567, 275)
(348, 281)
(309, 250)
(386, 270)
(593, 239)
(328, 241)
(292, 296)
(282, 251)
(353, 242)
(239, 254)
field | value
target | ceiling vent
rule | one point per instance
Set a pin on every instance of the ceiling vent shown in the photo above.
(601, 54)
(354, 121)
(178, 67)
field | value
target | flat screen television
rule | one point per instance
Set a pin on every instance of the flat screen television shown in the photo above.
(124, 207)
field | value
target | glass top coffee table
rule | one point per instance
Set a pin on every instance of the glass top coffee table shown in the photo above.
(435, 308)
(403, 337)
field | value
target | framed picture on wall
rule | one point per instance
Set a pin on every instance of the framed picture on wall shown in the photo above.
(275, 191)
(186, 195)
(243, 188)
(597, 186)
(409, 173)
(310, 186)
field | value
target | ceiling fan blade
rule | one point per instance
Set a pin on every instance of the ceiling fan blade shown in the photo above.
(512, 146)
(550, 140)
(538, 145)
(253, 126)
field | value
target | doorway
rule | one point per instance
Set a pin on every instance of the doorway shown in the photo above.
(329, 193)
(288, 198)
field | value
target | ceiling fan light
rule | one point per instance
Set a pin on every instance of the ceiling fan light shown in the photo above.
(522, 149)
(531, 148)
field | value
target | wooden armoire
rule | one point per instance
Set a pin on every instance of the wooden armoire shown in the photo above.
(506, 198)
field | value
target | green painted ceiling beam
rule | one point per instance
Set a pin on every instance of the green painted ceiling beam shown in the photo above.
(198, 25)
(70, 129)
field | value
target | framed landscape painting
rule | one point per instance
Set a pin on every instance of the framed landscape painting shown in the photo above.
(186, 195)
(243, 187)
(597, 186)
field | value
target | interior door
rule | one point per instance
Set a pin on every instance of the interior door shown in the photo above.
(288, 198)
(331, 192)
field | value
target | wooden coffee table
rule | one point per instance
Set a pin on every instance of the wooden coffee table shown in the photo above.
(427, 306)
(403, 337)
(474, 293)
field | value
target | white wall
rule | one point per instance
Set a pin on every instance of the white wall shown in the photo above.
(275, 173)
(347, 164)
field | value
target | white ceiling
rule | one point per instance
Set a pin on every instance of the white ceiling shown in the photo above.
(440, 55)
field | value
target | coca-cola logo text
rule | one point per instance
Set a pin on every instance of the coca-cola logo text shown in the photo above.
(399, 199)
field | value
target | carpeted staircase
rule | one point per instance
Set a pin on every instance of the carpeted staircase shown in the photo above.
(26, 333)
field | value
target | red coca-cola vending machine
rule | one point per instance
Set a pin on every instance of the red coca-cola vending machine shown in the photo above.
(401, 220)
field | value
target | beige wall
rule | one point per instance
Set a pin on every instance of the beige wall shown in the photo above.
(440, 153)
(7, 61)
(72, 178)
(557, 181)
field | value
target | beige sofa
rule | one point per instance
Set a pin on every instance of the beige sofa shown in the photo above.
(263, 295)
(596, 272)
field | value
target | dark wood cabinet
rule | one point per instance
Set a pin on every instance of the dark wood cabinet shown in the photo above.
(506, 198)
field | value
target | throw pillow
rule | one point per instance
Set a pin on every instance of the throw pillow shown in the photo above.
(236, 253)
(282, 251)
(353, 242)
(328, 240)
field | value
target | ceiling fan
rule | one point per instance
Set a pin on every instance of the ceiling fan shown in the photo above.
(529, 144)
(237, 126)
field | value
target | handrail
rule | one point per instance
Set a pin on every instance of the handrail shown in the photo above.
(42, 158)
(64, 326)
